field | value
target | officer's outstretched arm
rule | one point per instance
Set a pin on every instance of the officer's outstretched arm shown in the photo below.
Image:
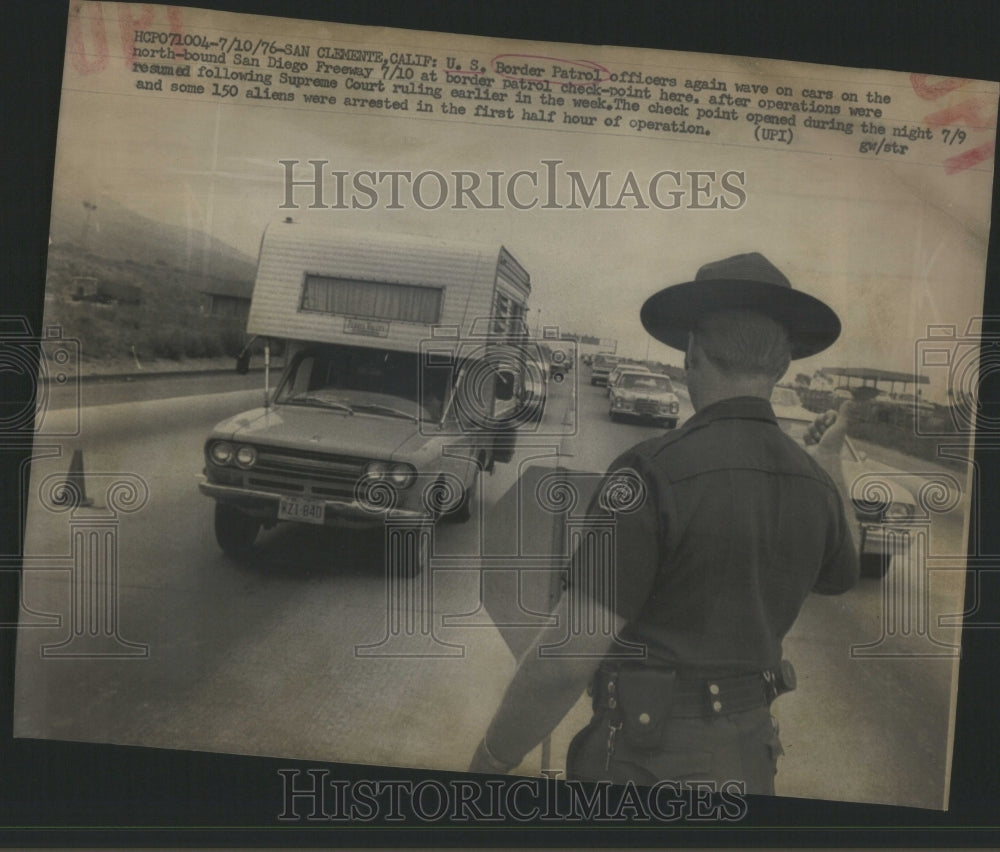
(590, 617)
(826, 441)
(549, 680)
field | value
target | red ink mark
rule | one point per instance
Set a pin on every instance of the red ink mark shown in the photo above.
(968, 159)
(933, 91)
(590, 73)
(128, 25)
(967, 112)
(78, 50)
(176, 18)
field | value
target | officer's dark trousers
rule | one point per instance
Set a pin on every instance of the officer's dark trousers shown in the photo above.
(741, 747)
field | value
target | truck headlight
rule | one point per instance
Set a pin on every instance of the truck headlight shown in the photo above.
(221, 452)
(376, 470)
(246, 456)
(402, 475)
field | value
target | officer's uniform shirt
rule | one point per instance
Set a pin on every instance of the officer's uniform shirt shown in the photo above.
(738, 524)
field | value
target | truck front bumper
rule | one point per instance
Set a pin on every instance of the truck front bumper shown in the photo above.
(882, 538)
(336, 513)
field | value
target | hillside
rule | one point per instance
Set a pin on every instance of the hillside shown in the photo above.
(111, 231)
(135, 290)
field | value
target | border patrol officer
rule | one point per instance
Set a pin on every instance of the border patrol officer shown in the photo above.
(737, 525)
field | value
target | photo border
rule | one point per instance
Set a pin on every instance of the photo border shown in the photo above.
(75, 793)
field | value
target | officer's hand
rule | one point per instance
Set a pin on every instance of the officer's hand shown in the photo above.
(485, 763)
(826, 434)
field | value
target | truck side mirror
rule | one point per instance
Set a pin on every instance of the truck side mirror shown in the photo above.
(505, 385)
(243, 362)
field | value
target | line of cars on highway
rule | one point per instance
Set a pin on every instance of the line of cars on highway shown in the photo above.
(635, 391)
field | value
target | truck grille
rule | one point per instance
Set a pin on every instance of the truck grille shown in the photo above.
(305, 472)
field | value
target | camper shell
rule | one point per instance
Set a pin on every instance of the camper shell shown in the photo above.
(404, 379)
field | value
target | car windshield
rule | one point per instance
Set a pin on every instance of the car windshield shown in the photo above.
(646, 381)
(357, 379)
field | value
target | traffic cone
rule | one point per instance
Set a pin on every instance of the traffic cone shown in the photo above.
(76, 485)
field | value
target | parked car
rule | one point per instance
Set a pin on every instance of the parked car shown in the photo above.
(884, 517)
(645, 396)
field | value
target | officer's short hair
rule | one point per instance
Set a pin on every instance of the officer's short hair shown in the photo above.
(744, 342)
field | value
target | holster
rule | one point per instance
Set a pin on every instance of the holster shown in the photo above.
(639, 699)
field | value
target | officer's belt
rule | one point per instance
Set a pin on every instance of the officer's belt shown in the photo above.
(702, 698)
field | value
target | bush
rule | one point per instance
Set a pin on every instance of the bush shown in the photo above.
(168, 343)
(232, 341)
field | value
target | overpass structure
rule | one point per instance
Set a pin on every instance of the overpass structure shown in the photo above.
(871, 377)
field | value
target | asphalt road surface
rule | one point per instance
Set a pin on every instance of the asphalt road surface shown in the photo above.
(305, 652)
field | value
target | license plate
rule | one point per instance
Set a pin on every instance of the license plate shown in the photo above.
(301, 509)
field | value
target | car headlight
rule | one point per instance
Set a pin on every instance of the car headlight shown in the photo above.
(221, 452)
(246, 456)
(402, 475)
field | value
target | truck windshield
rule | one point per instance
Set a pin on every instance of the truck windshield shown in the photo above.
(358, 379)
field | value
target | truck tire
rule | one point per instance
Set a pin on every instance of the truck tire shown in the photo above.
(235, 531)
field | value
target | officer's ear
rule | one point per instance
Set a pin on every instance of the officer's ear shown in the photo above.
(692, 356)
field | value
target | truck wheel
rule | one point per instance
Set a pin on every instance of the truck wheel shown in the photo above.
(235, 531)
(875, 564)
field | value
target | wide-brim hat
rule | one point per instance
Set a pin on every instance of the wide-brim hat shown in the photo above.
(744, 281)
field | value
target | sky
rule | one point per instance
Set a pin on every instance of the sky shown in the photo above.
(892, 245)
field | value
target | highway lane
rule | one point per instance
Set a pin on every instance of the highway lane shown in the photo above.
(262, 658)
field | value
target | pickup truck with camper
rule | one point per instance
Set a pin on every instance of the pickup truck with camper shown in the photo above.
(405, 378)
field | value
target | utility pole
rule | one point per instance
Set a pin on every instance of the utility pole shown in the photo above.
(90, 207)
